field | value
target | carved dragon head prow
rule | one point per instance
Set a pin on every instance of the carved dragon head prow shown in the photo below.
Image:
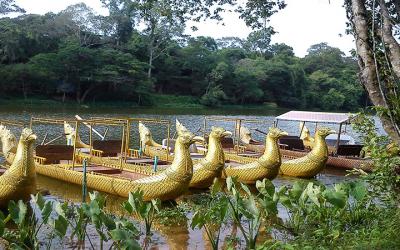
(69, 132)
(305, 132)
(180, 128)
(24, 156)
(323, 132)
(146, 139)
(219, 132)
(276, 133)
(244, 134)
(8, 140)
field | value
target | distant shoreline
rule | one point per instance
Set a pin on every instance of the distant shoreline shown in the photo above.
(162, 104)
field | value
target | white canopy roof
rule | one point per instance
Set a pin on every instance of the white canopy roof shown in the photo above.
(322, 117)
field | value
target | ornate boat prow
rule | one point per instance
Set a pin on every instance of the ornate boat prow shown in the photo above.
(305, 135)
(174, 181)
(19, 181)
(312, 163)
(146, 138)
(9, 144)
(267, 166)
(212, 164)
(70, 134)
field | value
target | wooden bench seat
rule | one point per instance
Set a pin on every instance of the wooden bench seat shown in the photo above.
(349, 150)
(99, 169)
(108, 147)
(55, 153)
(291, 143)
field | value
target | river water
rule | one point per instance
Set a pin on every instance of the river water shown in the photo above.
(165, 237)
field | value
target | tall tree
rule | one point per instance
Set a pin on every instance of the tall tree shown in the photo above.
(8, 6)
(372, 24)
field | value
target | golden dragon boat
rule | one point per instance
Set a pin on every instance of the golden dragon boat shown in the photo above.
(164, 151)
(210, 167)
(169, 184)
(112, 153)
(206, 168)
(19, 180)
(343, 152)
(266, 166)
(314, 162)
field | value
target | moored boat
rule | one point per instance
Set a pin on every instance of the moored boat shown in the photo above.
(266, 166)
(169, 184)
(19, 180)
(342, 153)
(314, 162)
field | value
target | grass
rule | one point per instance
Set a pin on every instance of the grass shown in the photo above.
(159, 101)
(175, 101)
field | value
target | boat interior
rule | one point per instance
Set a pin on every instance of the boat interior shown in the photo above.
(233, 144)
(65, 156)
(340, 144)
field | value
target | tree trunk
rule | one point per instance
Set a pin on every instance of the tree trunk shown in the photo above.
(368, 74)
(150, 63)
(390, 41)
(87, 91)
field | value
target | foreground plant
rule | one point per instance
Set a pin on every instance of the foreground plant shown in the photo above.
(59, 217)
(141, 209)
(213, 216)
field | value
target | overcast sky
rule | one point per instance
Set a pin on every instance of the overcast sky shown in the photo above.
(301, 24)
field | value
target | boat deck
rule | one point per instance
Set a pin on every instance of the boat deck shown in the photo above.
(111, 172)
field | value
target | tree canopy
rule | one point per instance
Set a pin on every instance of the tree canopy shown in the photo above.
(141, 49)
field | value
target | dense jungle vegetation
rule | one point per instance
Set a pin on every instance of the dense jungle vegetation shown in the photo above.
(136, 55)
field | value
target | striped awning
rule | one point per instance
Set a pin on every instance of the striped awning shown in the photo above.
(321, 117)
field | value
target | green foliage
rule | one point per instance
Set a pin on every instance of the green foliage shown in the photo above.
(8, 6)
(146, 211)
(60, 218)
(213, 97)
(81, 56)
(385, 180)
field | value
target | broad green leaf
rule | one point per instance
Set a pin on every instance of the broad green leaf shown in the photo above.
(17, 211)
(229, 183)
(61, 208)
(197, 220)
(265, 187)
(2, 227)
(313, 192)
(297, 190)
(216, 187)
(246, 189)
(128, 207)
(336, 198)
(125, 239)
(285, 201)
(46, 211)
(38, 199)
(358, 190)
(108, 221)
(156, 204)
(61, 226)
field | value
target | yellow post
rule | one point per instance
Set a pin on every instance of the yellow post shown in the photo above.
(127, 138)
(122, 146)
(90, 141)
(204, 131)
(76, 136)
(168, 135)
(239, 124)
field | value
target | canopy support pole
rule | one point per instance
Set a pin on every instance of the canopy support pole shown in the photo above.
(338, 137)
(90, 127)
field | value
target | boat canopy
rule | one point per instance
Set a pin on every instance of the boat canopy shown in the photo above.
(319, 117)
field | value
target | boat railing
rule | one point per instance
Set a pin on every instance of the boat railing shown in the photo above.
(237, 122)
